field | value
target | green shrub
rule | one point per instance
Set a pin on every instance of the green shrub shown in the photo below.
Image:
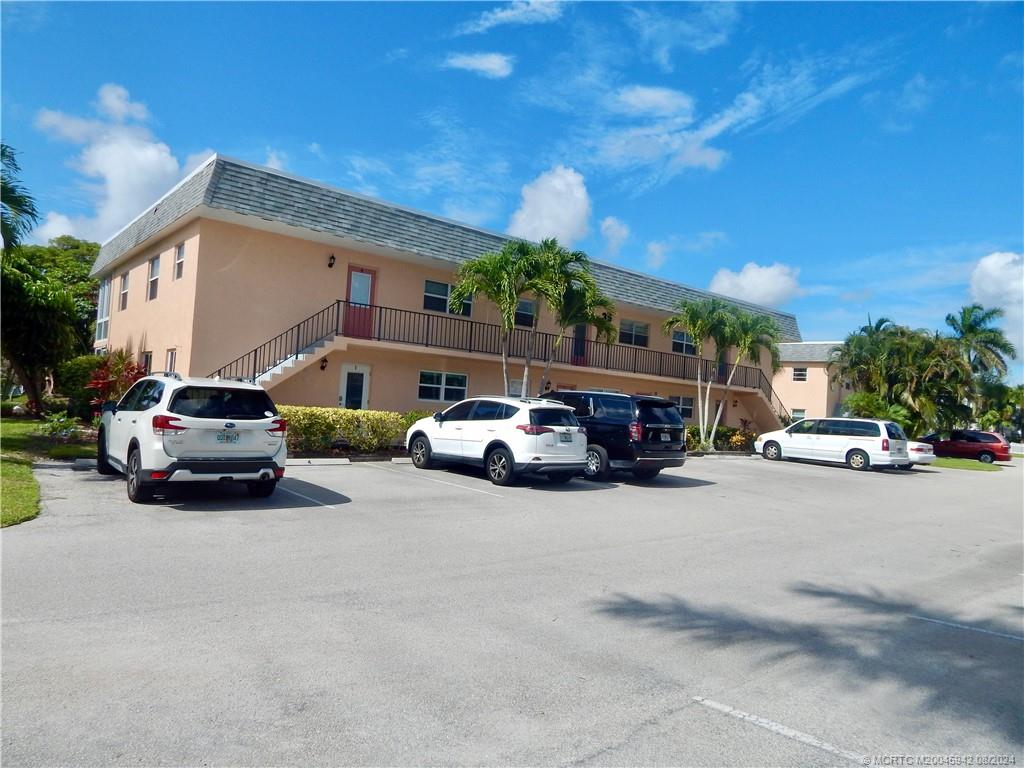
(370, 431)
(71, 379)
(59, 427)
(313, 429)
(412, 417)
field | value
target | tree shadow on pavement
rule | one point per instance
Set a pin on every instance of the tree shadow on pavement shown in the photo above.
(876, 638)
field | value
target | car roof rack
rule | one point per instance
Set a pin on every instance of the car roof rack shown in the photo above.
(166, 374)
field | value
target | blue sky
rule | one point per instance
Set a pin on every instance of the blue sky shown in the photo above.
(833, 160)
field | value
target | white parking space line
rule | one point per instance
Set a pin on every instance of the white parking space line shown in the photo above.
(967, 627)
(782, 730)
(303, 496)
(419, 476)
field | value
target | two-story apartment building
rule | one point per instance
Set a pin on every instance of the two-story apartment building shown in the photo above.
(804, 382)
(326, 297)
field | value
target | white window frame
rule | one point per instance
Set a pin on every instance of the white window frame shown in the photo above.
(467, 304)
(678, 400)
(630, 327)
(171, 360)
(153, 283)
(802, 414)
(122, 293)
(179, 261)
(799, 374)
(103, 311)
(443, 387)
(530, 309)
(685, 341)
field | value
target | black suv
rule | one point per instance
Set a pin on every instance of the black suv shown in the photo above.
(639, 433)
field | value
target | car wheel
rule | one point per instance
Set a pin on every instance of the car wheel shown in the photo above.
(261, 489)
(138, 492)
(420, 451)
(646, 473)
(986, 458)
(103, 466)
(500, 469)
(597, 463)
(561, 477)
(772, 451)
(858, 460)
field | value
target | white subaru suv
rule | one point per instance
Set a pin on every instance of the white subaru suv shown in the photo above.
(170, 429)
(506, 436)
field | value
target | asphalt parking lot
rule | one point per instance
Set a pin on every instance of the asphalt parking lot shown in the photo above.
(731, 612)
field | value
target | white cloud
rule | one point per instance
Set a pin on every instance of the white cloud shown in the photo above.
(492, 65)
(701, 27)
(517, 12)
(657, 254)
(555, 204)
(124, 166)
(998, 281)
(704, 241)
(615, 232)
(652, 100)
(113, 101)
(771, 286)
(276, 159)
(315, 149)
(908, 103)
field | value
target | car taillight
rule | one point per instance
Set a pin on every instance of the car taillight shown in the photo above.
(583, 430)
(279, 429)
(885, 443)
(167, 425)
(534, 429)
(636, 432)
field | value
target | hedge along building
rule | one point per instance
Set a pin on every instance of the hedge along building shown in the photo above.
(330, 298)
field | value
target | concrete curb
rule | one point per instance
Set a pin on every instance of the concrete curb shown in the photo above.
(84, 465)
(401, 460)
(722, 456)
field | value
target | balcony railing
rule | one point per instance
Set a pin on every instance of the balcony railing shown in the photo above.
(362, 321)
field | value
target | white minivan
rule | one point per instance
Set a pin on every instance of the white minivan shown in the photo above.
(858, 443)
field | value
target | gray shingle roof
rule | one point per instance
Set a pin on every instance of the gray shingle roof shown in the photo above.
(807, 351)
(238, 187)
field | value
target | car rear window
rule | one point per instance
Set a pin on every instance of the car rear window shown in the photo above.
(660, 413)
(615, 408)
(222, 403)
(894, 432)
(553, 417)
(987, 438)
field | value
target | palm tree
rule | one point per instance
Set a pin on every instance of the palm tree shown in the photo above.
(18, 212)
(751, 335)
(580, 304)
(984, 346)
(502, 277)
(861, 358)
(705, 320)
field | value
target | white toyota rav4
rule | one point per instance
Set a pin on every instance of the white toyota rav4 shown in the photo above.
(505, 435)
(169, 429)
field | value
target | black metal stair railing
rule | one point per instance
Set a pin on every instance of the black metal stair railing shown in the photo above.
(435, 330)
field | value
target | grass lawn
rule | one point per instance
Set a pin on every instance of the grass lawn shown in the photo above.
(20, 445)
(969, 464)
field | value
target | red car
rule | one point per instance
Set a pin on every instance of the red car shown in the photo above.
(986, 447)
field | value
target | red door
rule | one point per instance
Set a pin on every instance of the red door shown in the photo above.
(359, 309)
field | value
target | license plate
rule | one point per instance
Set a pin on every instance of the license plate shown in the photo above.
(228, 437)
(564, 437)
(665, 437)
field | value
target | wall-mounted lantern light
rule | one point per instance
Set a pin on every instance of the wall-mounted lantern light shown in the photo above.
(330, 261)
(323, 364)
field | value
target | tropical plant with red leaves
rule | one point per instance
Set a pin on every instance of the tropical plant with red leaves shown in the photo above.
(115, 376)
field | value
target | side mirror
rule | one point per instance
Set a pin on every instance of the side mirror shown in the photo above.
(438, 416)
(109, 407)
